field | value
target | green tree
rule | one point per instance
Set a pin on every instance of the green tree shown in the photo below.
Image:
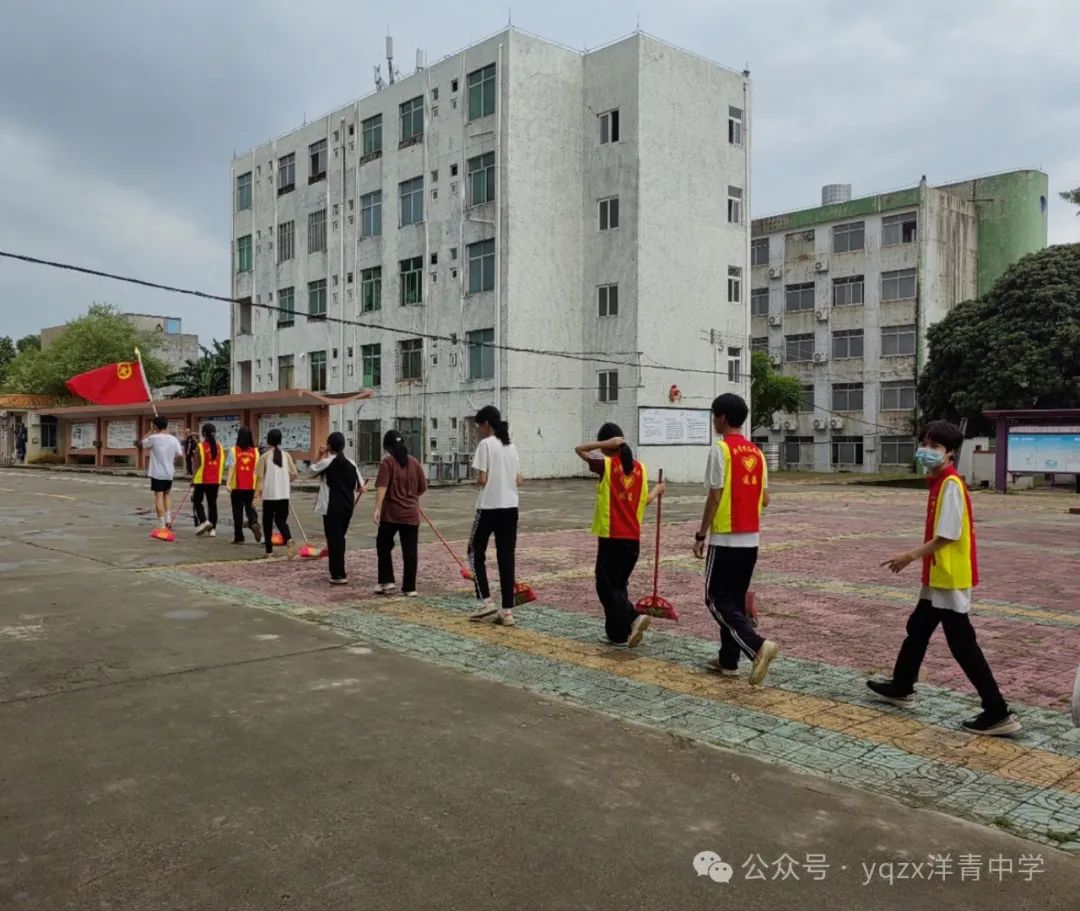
(102, 336)
(770, 391)
(1072, 196)
(1018, 346)
(7, 355)
(209, 375)
(28, 343)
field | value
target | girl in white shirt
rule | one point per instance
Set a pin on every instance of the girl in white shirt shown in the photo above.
(499, 475)
(274, 475)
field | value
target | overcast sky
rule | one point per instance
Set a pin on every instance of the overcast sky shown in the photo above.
(118, 119)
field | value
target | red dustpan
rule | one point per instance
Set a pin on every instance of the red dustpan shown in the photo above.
(653, 604)
(166, 533)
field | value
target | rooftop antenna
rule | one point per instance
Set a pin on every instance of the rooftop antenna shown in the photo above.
(390, 71)
(420, 60)
(379, 84)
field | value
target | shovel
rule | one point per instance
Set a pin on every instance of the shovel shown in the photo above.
(653, 604)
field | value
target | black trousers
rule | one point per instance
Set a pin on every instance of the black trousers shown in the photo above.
(728, 571)
(503, 524)
(336, 525)
(960, 635)
(243, 503)
(384, 545)
(210, 492)
(275, 512)
(615, 561)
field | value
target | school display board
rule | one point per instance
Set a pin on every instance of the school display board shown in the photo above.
(1044, 449)
(82, 435)
(120, 434)
(674, 427)
(295, 430)
(176, 428)
(227, 426)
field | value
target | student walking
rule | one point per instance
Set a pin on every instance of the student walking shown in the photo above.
(737, 481)
(950, 569)
(398, 488)
(164, 451)
(191, 444)
(340, 489)
(622, 495)
(274, 475)
(499, 476)
(240, 478)
(209, 469)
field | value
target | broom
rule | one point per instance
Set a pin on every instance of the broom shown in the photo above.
(653, 604)
(167, 534)
(308, 550)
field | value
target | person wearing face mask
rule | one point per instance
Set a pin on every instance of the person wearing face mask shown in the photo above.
(950, 571)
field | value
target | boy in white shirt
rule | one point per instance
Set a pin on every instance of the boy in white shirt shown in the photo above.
(165, 449)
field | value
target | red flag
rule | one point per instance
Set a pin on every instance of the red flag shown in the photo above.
(113, 384)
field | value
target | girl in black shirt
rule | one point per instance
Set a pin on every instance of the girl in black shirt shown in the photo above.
(339, 492)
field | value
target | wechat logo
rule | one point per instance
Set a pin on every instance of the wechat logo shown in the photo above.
(709, 863)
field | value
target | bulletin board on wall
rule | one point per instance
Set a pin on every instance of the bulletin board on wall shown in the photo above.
(674, 427)
(227, 427)
(295, 430)
(121, 434)
(83, 435)
(1044, 450)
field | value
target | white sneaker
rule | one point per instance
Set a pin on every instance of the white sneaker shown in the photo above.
(505, 618)
(637, 630)
(716, 667)
(203, 529)
(486, 611)
(385, 588)
(212, 533)
(762, 660)
(412, 594)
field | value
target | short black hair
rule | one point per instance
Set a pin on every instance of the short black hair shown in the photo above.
(732, 407)
(944, 433)
(160, 421)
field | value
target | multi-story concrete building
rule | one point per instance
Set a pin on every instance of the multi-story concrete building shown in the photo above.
(842, 295)
(514, 199)
(175, 347)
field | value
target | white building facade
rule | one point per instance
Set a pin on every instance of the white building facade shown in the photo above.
(514, 199)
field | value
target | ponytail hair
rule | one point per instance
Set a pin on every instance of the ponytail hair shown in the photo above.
(489, 415)
(209, 432)
(626, 454)
(394, 444)
(273, 439)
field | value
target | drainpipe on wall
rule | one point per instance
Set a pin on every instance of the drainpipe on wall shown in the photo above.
(922, 228)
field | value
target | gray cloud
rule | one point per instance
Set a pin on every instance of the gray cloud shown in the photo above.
(118, 119)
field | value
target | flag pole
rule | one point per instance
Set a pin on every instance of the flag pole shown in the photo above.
(146, 384)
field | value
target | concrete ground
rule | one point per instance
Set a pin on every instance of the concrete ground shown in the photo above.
(186, 728)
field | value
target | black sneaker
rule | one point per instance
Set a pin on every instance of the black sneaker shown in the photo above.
(996, 724)
(892, 692)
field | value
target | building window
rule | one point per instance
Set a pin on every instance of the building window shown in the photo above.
(286, 307)
(760, 343)
(243, 315)
(897, 341)
(48, 432)
(808, 403)
(734, 125)
(609, 386)
(759, 301)
(898, 229)
(286, 234)
(317, 155)
(847, 397)
(481, 266)
(412, 432)
(243, 192)
(482, 92)
(371, 289)
(369, 442)
(609, 213)
(897, 286)
(608, 300)
(411, 277)
(318, 371)
(898, 396)
(799, 297)
(849, 238)
(481, 354)
(285, 372)
(316, 231)
(799, 246)
(734, 205)
(371, 133)
(371, 214)
(243, 253)
(847, 343)
(286, 174)
(410, 359)
(412, 119)
(800, 347)
(897, 450)
(734, 365)
(734, 284)
(799, 451)
(316, 297)
(371, 365)
(609, 127)
(411, 196)
(848, 292)
(481, 172)
(759, 252)
(847, 450)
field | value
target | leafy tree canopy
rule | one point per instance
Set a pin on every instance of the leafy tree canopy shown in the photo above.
(770, 392)
(1072, 196)
(209, 375)
(28, 343)
(8, 352)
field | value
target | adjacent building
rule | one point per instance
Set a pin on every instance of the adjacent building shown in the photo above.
(511, 201)
(841, 297)
(174, 349)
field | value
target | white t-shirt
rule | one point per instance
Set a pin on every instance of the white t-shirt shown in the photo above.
(502, 467)
(714, 480)
(950, 526)
(276, 482)
(165, 449)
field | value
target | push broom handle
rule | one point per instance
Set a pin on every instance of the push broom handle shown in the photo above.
(656, 561)
(445, 543)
